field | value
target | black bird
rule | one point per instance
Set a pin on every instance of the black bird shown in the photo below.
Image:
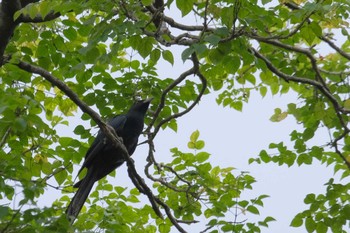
(102, 158)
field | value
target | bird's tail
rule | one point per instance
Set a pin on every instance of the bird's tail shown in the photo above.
(77, 202)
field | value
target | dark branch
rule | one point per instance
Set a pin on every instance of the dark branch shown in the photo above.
(7, 25)
(336, 48)
(194, 70)
(38, 19)
(320, 86)
(106, 129)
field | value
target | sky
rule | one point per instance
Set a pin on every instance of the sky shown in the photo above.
(232, 138)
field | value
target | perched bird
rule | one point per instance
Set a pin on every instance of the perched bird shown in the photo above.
(102, 157)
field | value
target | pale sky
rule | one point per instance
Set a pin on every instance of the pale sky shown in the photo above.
(233, 137)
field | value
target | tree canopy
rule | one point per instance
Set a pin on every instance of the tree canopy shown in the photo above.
(93, 58)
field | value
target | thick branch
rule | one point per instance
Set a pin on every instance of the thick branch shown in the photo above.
(106, 129)
(7, 25)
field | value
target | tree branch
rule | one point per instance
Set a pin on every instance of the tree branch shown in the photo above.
(161, 105)
(38, 19)
(204, 86)
(7, 25)
(5, 136)
(106, 129)
(336, 48)
(180, 26)
(320, 86)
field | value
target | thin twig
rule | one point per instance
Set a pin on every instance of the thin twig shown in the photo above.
(5, 136)
(336, 48)
(12, 219)
(161, 105)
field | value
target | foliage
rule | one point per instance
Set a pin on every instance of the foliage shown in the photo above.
(108, 52)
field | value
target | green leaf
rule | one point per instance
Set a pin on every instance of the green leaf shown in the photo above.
(133, 199)
(199, 144)
(316, 28)
(238, 105)
(310, 198)
(145, 46)
(278, 115)
(269, 219)
(347, 104)
(20, 124)
(70, 33)
(4, 210)
(79, 130)
(187, 53)
(213, 39)
(264, 156)
(308, 35)
(304, 159)
(61, 176)
(310, 224)
(252, 209)
(264, 2)
(168, 56)
(202, 156)
(173, 125)
(215, 56)
(185, 6)
(321, 227)
(92, 55)
(147, 2)
(297, 221)
(65, 141)
(191, 145)
(263, 91)
(155, 55)
(199, 48)
(194, 136)
(164, 228)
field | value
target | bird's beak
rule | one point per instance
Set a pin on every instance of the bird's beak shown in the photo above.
(148, 100)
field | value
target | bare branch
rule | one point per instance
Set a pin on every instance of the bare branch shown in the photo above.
(336, 48)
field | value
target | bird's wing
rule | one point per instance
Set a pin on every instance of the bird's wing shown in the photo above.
(99, 143)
